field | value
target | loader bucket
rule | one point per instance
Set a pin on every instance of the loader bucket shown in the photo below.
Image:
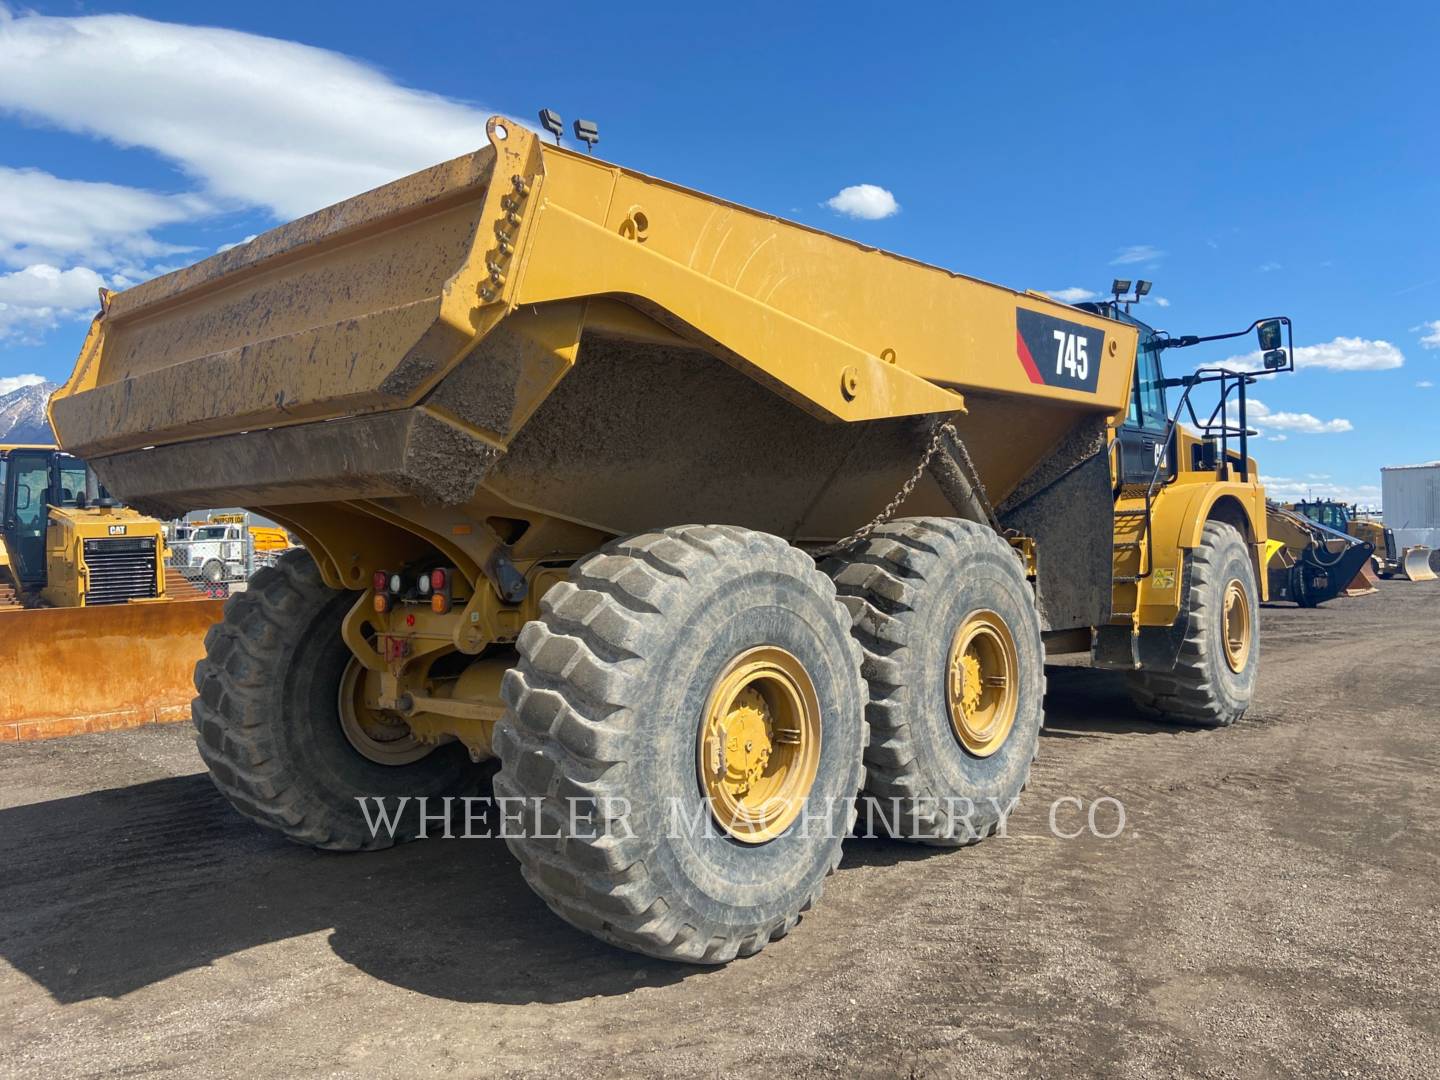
(74, 670)
(1363, 583)
(1415, 564)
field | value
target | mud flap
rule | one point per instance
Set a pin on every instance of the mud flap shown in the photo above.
(74, 670)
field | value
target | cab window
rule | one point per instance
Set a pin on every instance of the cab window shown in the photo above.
(1147, 402)
(72, 485)
(30, 494)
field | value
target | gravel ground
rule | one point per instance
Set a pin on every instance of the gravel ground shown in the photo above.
(1270, 909)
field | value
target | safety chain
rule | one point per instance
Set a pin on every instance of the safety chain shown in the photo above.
(937, 438)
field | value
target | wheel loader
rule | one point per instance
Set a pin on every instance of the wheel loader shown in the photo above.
(88, 639)
(698, 522)
(1411, 563)
(1309, 563)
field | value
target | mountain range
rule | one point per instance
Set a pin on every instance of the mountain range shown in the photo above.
(22, 414)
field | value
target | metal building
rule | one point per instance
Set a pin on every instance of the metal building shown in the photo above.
(1411, 494)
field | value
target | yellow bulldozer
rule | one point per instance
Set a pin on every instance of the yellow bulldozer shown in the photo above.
(700, 521)
(1411, 563)
(86, 629)
(66, 542)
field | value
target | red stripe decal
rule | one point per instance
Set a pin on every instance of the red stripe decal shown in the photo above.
(1023, 351)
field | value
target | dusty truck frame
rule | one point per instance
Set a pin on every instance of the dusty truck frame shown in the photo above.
(493, 397)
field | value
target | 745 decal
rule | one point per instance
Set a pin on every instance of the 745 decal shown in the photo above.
(1057, 352)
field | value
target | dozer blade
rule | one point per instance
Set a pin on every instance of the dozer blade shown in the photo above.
(1364, 582)
(1415, 564)
(74, 670)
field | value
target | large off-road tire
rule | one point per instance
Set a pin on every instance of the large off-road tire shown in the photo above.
(915, 586)
(1214, 677)
(609, 706)
(268, 727)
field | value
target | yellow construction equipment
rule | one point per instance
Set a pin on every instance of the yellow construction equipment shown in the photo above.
(1412, 563)
(1310, 563)
(491, 398)
(66, 546)
(70, 671)
(122, 654)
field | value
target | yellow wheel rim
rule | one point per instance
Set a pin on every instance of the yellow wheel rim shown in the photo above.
(376, 735)
(759, 745)
(1238, 634)
(983, 684)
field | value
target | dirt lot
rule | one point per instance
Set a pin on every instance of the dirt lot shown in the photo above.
(1269, 909)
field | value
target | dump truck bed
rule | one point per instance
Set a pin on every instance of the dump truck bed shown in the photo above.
(580, 340)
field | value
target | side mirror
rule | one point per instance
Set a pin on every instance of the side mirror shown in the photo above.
(1269, 334)
(1275, 359)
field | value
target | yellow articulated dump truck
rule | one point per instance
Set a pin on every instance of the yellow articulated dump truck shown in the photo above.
(700, 521)
(87, 639)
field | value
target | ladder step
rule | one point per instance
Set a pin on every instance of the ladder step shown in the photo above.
(1125, 580)
(1128, 544)
(1125, 512)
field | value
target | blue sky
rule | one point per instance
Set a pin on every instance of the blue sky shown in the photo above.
(1250, 159)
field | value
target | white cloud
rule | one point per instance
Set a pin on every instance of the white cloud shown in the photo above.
(1137, 253)
(1424, 384)
(1341, 354)
(1270, 423)
(867, 201)
(41, 296)
(1276, 438)
(1159, 301)
(48, 220)
(11, 383)
(237, 243)
(255, 120)
(1269, 267)
(1305, 423)
(1288, 489)
(1431, 339)
(1072, 295)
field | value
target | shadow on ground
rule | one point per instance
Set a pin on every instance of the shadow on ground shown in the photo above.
(1082, 703)
(110, 891)
(106, 892)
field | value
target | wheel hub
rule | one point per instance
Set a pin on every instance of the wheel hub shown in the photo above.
(375, 734)
(982, 690)
(759, 744)
(1236, 626)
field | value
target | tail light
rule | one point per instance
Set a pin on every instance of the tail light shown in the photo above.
(440, 590)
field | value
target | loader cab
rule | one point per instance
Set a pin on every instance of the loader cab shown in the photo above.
(1330, 514)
